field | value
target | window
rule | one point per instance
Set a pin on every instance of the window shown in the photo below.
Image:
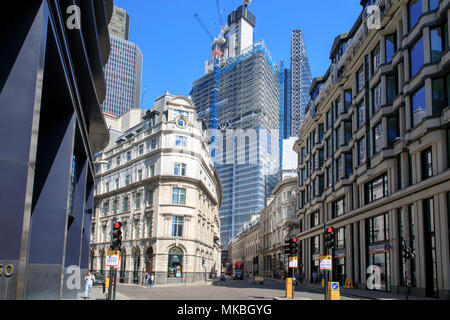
(362, 150)
(437, 43)
(177, 113)
(127, 179)
(117, 183)
(348, 164)
(361, 115)
(433, 4)
(128, 155)
(391, 46)
(141, 149)
(391, 88)
(126, 204)
(179, 169)
(440, 95)
(321, 132)
(118, 161)
(348, 131)
(338, 137)
(378, 228)
(138, 200)
(108, 165)
(107, 186)
(376, 189)
(338, 107)
(347, 100)
(180, 141)
(376, 59)
(303, 155)
(329, 177)
(416, 58)
(179, 196)
(328, 142)
(427, 164)
(414, 13)
(377, 138)
(338, 208)
(321, 159)
(139, 174)
(177, 226)
(338, 169)
(361, 79)
(329, 122)
(115, 205)
(315, 219)
(376, 98)
(154, 143)
(418, 106)
(150, 195)
(105, 208)
(393, 129)
(152, 170)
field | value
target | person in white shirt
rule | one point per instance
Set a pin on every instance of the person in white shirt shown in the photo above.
(89, 280)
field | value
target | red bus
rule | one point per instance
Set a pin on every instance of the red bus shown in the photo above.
(228, 269)
(238, 270)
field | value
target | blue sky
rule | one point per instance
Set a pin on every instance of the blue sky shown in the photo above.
(175, 46)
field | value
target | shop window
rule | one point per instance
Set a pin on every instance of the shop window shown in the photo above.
(175, 263)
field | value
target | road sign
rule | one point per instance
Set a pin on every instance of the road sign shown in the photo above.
(112, 258)
(326, 263)
(120, 263)
(293, 262)
(334, 291)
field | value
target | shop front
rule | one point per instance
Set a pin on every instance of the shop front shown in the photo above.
(175, 264)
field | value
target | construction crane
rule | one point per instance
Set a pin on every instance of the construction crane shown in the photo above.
(216, 54)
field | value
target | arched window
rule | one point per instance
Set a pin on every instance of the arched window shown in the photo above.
(175, 263)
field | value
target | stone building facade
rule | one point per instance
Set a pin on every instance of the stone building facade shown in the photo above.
(159, 180)
(374, 152)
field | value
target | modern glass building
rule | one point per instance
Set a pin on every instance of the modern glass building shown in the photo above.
(247, 142)
(123, 72)
(51, 87)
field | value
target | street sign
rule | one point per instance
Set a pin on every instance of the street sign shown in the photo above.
(112, 258)
(293, 262)
(326, 263)
(334, 291)
(120, 263)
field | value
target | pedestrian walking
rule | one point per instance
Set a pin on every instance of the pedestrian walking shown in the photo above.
(146, 280)
(89, 282)
(314, 275)
(294, 278)
(152, 280)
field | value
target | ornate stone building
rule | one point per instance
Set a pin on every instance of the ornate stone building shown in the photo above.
(158, 178)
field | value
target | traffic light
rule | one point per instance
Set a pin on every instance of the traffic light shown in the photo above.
(408, 253)
(294, 246)
(329, 238)
(287, 245)
(116, 241)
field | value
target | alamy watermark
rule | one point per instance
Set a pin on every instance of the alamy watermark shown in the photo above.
(374, 280)
(74, 19)
(373, 14)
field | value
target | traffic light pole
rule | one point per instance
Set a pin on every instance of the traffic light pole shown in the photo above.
(110, 283)
(115, 284)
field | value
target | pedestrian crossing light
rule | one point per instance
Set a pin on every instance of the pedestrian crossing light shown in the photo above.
(116, 242)
(329, 238)
(287, 245)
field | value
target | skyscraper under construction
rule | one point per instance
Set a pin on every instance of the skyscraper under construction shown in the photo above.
(248, 117)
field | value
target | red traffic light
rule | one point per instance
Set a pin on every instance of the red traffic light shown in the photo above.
(118, 225)
(330, 230)
(295, 240)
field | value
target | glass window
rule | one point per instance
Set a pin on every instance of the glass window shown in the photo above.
(416, 58)
(118, 161)
(181, 141)
(179, 169)
(361, 79)
(154, 143)
(179, 196)
(348, 131)
(427, 164)
(393, 127)
(361, 115)
(378, 228)
(321, 132)
(152, 170)
(391, 46)
(433, 4)
(348, 164)
(126, 204)
(150, 195)
(347, 100)
(338, 169)
(138, 200)
(377, 138)
(127, 179)
(436, 43)
(141, 149)
(391, 88)
(177, 226)
(418, 106)
(440, 100)
(376, 57)
(338, 107)
(338, 137)
(376, 98)
(362, 150)
(128, 155)
(414, 12)
(376, 189)
(338, 208)
(329, 178)
(139, 174)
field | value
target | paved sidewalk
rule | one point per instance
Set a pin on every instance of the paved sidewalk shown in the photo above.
(367, 294)
(97, 294)
(163, 285)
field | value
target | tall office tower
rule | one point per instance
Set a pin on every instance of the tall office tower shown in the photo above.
(120, 23)
(285, 101)
(123, 72)
(301, 80)
(247, 155)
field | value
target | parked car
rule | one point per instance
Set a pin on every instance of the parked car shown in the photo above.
(99, 278)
